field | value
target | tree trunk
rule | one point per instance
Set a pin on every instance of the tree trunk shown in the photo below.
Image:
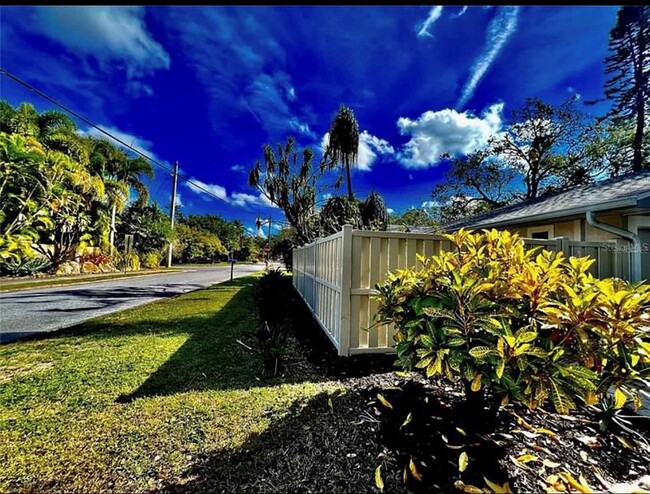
(111, 234)
(350, 194)
(637, 145)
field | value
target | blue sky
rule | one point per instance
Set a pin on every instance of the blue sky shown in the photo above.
(208, 86)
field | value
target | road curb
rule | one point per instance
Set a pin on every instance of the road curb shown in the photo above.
(13, 290)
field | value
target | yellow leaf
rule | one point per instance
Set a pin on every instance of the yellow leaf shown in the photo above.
(550, 464)
(463, 461)
(619, 398)
(414, 470)
(568, 478)
(461, 431)
(330, 404)
(379, 482)
(500, 367)
(409, 417)
(470, 489)
(505, 400)
(626, 442)
(476, 383)
(527, 458)
(384, 401)
(545, 431)
(498, 489)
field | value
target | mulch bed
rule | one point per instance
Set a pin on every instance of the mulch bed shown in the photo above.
(416, 431)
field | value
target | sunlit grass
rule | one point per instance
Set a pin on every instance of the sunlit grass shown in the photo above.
(130, 399)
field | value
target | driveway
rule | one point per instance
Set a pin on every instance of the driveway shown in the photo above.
(42, 310)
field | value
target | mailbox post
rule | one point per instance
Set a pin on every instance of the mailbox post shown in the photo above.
(232, 266)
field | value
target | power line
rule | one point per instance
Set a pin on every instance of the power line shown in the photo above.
(40, 93)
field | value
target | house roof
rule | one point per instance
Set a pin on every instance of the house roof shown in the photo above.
(629, 190)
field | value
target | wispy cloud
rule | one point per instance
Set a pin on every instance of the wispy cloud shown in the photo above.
(240, 199)
(501, 27)
(106, 34)
(200, 188)
(238, 168)
(462, 11)
(142, 144)
(434, 14)
(242, 67)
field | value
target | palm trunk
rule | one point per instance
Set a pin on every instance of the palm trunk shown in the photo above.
(350, 194)
(111, 233)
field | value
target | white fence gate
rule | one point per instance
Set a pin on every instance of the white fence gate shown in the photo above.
(335, 276)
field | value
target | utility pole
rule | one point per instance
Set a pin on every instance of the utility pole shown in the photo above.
(172, 211)
(268, 254)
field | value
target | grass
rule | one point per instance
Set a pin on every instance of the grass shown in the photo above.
(56, 281)
(127, 401)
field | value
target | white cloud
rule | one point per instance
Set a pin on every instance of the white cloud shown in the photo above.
(238, 168)
(434, 14)
(239, 199)
(300, 127)
(179, 200)
(446, 131)
(291, 93)
(576, 94)
(462, 11)
(370, 147)
(107, 34)
(201, 188)
(501, 27)
(430, 204)
(243, 200)
(390, 210)
(140, 143)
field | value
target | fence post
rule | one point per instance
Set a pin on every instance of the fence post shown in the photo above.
(346, 285)
(564, 246)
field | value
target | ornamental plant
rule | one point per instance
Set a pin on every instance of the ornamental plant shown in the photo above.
(526, 325)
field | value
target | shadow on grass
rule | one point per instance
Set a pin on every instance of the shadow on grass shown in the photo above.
(310, 448)
(334, 443)
(213, 358)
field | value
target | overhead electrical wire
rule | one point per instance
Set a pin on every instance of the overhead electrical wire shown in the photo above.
(40, 93)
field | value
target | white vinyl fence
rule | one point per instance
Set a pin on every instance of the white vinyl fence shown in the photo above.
(335, 276)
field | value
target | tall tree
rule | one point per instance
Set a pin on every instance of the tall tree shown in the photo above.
(474, 183)
(629, 67)
(121, 174)
(343, 145)
(290, 181)
(547, 146)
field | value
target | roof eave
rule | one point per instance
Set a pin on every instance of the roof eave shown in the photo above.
(610, 205)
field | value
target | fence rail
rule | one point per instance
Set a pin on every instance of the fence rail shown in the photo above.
(335, 277)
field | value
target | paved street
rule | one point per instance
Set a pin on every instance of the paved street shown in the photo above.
(49, 309)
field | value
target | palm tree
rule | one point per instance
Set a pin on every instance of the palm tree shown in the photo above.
(120, 174)
(343, 143)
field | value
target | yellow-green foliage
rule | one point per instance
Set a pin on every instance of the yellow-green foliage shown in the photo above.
(529, 324)
(150, 260)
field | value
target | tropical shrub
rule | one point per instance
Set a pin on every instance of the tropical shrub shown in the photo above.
(126, 262)
(151, 260)
(272, 295)
(97, 258)
(527, 325)
(25, 266)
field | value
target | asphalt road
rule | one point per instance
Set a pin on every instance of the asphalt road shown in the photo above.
(38, 310)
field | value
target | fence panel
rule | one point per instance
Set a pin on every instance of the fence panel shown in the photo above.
(336, 277)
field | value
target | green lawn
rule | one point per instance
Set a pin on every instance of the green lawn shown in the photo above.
(129, 401)
(13, 285)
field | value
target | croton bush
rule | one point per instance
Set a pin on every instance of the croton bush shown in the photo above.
(528, 325)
